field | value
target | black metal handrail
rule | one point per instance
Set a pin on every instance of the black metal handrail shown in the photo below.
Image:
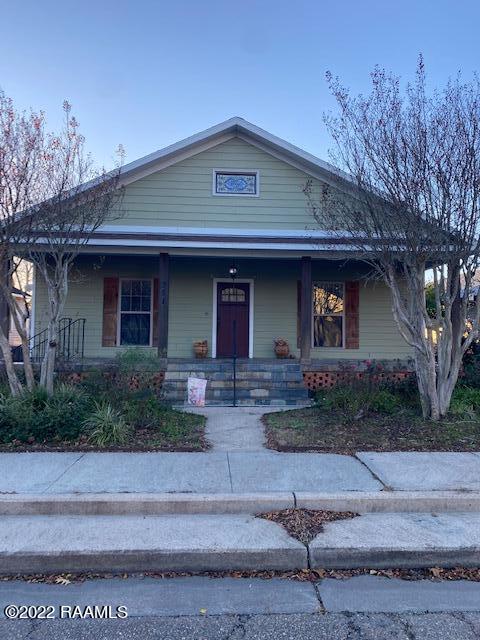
(71, 342)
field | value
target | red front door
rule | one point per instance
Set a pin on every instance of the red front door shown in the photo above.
(233, 304)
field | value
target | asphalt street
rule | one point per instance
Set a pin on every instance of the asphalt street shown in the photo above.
(329, 626)
(202, 608)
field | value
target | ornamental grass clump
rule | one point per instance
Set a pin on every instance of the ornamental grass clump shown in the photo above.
(106, 426)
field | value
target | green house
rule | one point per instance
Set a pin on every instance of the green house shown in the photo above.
(215, 242)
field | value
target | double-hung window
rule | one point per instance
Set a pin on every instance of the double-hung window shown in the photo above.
(328, 314)
(135, 312)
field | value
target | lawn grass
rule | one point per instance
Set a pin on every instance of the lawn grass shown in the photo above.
(341, 431)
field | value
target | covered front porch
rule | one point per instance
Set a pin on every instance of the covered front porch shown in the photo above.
(166, 303)
(331, 317)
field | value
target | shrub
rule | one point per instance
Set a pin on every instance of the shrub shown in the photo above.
(471, 371)
(136, 359)
(106, 426)
(359, 396)
(384, 401)
(142, 409)
(36, 416)
(465, 402)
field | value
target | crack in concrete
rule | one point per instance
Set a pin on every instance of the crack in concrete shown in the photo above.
(229, 473)
(63, 473)
(373, 474)
(316, 587)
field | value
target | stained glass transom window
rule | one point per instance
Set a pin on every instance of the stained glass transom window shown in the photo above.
(232, 294)
(236, 183)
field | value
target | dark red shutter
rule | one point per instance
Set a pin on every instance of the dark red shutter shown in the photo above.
(155, 312)
(110, 307)
(352, 307)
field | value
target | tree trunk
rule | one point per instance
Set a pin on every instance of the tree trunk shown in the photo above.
(13, 381)
(427, 384)
(20, 320)
(47, 369)
(57, 288)
(27, 364)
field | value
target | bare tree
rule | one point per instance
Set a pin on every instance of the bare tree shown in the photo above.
(21, 147)
(52, 199)
(413, 158)
(77, 200)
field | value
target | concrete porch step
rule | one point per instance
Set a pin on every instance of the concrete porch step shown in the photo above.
(45, 544)
(226, 393)
(225, 365)
(259, 382)
(227, 401)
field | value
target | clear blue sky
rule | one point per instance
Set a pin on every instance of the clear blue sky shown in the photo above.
(146, 73)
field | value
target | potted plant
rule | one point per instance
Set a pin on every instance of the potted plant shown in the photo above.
(281, 348)
(200, 348)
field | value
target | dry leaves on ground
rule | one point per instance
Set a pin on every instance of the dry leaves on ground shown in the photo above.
(305, 524)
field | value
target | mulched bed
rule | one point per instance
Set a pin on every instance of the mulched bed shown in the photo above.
(144, 439)
(303, 575)
(329, 431)
(305, 524)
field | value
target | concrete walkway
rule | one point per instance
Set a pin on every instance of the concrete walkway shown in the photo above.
(229, 472)
(238, 472)
(235, 428)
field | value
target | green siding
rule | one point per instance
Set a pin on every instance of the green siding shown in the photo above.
(181, 195)
(191, 304)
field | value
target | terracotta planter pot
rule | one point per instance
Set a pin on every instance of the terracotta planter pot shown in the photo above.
(200, 348)
(281, 348)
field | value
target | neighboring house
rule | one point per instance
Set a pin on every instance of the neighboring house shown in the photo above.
(22, 300)
(22, 292)
(230, 197)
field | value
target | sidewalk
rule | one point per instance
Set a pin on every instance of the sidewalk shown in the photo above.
(130, 512)
(237, 472)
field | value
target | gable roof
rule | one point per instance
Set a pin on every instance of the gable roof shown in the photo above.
(240, 128)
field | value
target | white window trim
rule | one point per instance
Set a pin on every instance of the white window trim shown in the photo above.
(338, 315)
(249, 281)
(119, 312)
(256, 172)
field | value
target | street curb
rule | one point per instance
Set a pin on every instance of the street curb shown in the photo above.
(143, 503)
(225, 503)
(395, 558)
(188, 560)
(391, 501)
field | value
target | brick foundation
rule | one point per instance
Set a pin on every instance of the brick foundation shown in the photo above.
(314, 380)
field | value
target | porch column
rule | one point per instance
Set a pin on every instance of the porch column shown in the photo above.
(163, 291)
(306, 309)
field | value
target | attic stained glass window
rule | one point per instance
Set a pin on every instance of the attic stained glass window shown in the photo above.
(238, 184)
